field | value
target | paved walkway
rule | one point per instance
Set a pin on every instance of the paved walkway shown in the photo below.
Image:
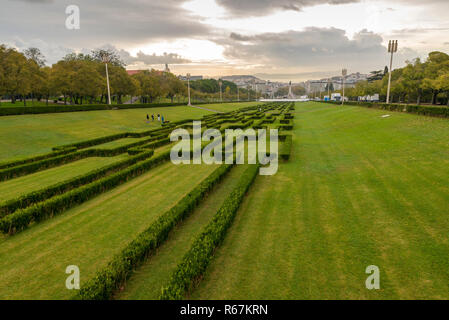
(206, 109)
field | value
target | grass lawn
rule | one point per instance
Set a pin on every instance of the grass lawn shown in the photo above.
(228, 107)
(13, 188)
(146, 283)
(359, 190)
(33, 263)
(27, 135)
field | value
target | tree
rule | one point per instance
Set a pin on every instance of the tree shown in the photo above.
(172, 86)
(36, 55)
(121, 83)
(437, 63)
(110, 56)
(17, 72)
(412, 78)
(442, 83)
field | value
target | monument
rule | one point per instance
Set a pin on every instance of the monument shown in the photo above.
(290, 93)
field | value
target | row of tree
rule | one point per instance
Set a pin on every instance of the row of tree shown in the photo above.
(81, 78)
(418, 82)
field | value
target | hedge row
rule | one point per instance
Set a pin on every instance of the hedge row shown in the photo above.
(62, 187)
(20, 110)
(434, 111)
(196, 260)
(10, 173)
(152, 145)
(21, 218)
(286, 148)
(19, 162)
(109, 279)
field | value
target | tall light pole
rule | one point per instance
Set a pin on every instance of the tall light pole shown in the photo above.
(392, 48)
(329, 89)
(188, 88)
(344, 73)
(106, 59)
(221, 95)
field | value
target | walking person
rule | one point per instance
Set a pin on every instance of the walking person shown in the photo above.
(148, 118)
(162, 119)
(158, 117)
(152, 117)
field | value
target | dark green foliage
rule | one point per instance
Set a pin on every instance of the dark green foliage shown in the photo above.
(19, 110)
(16, 163)
(43, 194)
(286, 147)
(197, 259)
(20, 219)
(109, 279)
(434, 111)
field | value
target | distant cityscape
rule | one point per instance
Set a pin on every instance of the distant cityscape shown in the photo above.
(269, 88)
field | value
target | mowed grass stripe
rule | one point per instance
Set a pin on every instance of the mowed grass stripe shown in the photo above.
(358, 190)
(147, 282)
(27, 135)
(11, 189)
(90, 234)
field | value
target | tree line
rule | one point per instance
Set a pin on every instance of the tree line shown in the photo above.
(81, 78)
(418, 82)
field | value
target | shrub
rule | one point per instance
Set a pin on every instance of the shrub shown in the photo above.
(16, 163)
(110, 278)
(20, 219)
(196, 260)
(59, 188)
(286, 147)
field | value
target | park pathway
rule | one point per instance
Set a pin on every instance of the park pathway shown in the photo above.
(207, 109)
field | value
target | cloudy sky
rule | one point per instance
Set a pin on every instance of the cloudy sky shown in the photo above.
(274, 39)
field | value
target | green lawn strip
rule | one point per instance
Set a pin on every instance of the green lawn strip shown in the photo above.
(33, 263)
(13, 188)
(26, 135)
(118, 143)
(358, 190)
(22, 218)
(147, 281)
(110, 278)
(227, 107)
(196, 260)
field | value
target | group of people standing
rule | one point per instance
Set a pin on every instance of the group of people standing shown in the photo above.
(160, 118)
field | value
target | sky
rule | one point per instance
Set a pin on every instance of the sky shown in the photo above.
(277, 40)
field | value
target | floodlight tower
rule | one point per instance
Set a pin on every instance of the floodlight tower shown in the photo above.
(221, 95)
(106, 59)
(329, 89)
(392, 48)
(344, 73)
(188, 88)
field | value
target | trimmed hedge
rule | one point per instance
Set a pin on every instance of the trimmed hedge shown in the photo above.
(119, 269)
(19, 162)
(153, 145)
(286, 147)
(59, 188)
(196, 260)
(433, 111)
(21, 218)
(10, 173)
(20, 110)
